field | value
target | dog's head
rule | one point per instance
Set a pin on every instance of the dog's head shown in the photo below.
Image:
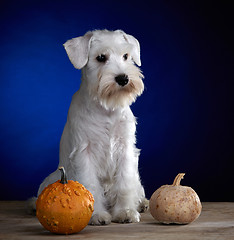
(108, 61)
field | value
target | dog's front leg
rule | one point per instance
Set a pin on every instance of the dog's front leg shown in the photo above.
(125, 190)
(86, 173)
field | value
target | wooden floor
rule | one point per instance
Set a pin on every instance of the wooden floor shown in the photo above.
(215, 222)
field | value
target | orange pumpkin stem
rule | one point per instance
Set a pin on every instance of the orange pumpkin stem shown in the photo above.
(178, 179)
(63, 176)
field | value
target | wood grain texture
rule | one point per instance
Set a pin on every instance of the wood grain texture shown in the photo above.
(215, 222)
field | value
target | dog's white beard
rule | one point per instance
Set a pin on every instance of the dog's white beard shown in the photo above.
(112, 96)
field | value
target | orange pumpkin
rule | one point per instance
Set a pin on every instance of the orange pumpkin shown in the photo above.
(64, 207)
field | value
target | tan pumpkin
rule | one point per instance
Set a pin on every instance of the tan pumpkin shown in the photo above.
(175, 203)
(64, 207)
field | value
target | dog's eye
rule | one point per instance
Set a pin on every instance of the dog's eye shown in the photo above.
(101, 58)
(125, 56)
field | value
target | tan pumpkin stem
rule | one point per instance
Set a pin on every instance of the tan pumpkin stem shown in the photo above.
(178, 179)
(63, 175)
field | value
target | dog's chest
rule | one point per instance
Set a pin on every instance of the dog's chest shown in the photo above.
(115, 128)
(112, 142)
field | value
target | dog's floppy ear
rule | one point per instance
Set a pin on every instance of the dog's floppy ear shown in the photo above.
(136, 47)
(78, 50)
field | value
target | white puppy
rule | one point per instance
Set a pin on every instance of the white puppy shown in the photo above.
(97, 147)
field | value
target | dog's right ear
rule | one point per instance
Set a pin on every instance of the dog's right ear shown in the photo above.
(78, 50)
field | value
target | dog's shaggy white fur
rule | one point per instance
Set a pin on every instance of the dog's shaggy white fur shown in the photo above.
(97, 147)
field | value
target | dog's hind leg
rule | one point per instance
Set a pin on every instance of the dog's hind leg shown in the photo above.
(143, 205)
(53, 177)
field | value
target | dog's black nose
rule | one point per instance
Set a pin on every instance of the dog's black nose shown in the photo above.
(122, 79)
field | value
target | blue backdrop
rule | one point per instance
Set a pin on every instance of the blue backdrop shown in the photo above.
(185, 116)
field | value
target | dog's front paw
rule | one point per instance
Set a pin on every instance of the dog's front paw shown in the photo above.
(126, 216)
(100, 218)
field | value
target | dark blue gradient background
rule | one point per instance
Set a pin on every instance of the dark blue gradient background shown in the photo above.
(185, 116)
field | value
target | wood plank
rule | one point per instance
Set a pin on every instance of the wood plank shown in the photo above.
(215, 222)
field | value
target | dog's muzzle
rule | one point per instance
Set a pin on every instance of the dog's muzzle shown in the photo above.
(122, 79)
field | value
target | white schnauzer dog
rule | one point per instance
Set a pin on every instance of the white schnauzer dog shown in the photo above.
(97, 147)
